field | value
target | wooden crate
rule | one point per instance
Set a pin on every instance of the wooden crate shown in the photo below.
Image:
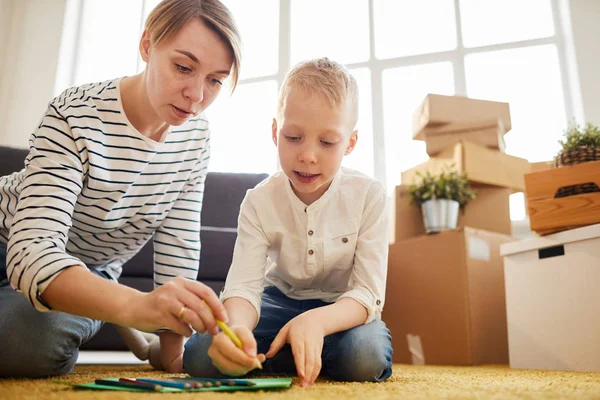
(548, 214)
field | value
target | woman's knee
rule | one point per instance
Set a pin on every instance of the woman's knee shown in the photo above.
(361, 354)
(42, 344)
(196, 361)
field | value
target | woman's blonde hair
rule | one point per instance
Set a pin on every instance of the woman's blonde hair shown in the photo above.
(323, 77)
(169, 16)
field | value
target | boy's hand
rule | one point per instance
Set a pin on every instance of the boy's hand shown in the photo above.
(231, 360)
(306, 339)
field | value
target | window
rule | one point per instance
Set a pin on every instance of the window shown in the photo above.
(504, 50)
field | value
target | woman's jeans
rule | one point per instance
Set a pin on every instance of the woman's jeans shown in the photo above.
(38, 344)
(363, 353)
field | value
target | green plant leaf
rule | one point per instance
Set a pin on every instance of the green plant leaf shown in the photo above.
(449, 184)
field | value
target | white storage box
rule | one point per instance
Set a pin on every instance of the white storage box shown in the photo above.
(553, 300)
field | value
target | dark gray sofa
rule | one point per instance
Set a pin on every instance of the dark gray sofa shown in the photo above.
(223, 194)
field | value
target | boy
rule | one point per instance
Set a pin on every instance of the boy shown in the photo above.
(314, 237)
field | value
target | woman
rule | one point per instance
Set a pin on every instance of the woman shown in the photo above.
(112, 165)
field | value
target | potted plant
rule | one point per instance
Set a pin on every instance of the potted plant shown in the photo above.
(580, 145)
(440, 197)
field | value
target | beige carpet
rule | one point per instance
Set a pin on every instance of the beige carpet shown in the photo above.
(407, 382)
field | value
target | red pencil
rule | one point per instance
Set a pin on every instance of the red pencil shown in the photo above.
(141, 384)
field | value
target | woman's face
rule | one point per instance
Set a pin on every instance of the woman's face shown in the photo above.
(185, 72)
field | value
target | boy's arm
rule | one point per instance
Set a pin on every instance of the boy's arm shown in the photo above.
(241, 312)
(344, 314)
(370, 259)
(244, 284)
(241, 295)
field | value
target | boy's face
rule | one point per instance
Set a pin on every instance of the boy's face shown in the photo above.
(312, 137)
(185, 72)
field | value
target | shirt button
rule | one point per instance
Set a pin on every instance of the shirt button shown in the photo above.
(378, 302)
(345, 240)
(310, 233)
(311, 252)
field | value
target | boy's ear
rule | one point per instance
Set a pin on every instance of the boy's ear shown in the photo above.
(274, 131)
(351, 142)
(145, 47)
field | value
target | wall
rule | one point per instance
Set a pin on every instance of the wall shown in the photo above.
(30, 59)
(6, 9)
(585, 25)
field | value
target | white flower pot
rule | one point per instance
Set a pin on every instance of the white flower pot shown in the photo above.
(440, 215)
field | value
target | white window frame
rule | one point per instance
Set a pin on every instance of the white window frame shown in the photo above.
(456, 57)
(377, 66)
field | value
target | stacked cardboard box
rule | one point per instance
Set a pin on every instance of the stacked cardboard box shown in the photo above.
(445, 302)
(469, 134)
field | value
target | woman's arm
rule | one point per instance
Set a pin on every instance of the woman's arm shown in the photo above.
(80, 292)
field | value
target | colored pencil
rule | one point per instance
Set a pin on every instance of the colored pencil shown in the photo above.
(178, 385)
(146, 384)
(223, 381)
(119, 383)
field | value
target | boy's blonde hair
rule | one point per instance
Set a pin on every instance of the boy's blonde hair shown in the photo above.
(169, 16)
(323, 77)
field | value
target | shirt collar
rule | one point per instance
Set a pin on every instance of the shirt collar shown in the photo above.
(323, 200)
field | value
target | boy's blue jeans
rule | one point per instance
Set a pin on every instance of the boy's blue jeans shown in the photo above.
(363, 353)
(38, 344)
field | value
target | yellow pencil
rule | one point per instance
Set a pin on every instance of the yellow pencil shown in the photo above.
(233, 336)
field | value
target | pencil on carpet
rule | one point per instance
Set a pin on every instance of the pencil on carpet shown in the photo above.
(178, 385)
(223, 381)
(135, 385)
(152, 386)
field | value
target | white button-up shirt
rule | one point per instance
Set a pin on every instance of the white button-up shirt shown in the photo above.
(334, 248)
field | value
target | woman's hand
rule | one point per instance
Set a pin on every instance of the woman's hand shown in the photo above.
(230, 359)
(306, 338)
(177, 305)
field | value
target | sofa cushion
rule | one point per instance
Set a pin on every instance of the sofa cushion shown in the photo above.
(223, 195)
(11, 159)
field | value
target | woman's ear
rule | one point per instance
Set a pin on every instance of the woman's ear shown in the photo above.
(274, 131)
(351, 143)
(145, 47)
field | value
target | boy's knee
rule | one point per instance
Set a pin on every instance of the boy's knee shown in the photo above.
(364, 354)
(196, 361)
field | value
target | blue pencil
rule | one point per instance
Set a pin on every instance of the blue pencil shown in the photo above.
(178, 385)
(223, 381)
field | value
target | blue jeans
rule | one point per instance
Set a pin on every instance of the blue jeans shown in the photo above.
(363, 353)
(38, 344)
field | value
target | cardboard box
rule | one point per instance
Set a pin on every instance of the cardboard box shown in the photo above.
(491, 135)
(548, 213)
(483, 165)
(490, 211)
(540, 166)
(453, 112)
(553, 301)
(445, 298)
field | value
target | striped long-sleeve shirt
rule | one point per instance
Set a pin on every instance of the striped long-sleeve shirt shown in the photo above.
(94, 190)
